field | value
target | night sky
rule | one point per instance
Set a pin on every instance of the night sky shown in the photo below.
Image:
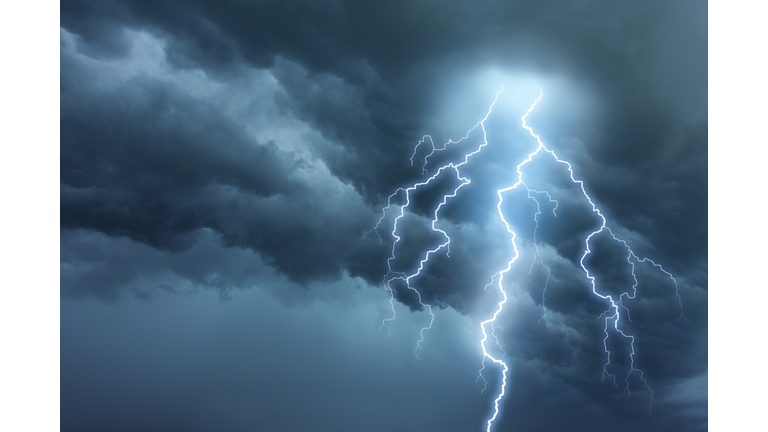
(222, 164)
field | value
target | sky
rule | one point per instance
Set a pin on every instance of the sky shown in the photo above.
(222, 165)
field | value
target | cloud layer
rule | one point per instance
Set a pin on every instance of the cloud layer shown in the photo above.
(233, 146)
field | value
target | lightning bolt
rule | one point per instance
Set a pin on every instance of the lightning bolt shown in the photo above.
(614, 313)
(392, 275)
(612, 316)
(615, 316)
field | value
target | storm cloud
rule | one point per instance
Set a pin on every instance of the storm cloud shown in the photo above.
(223, 152)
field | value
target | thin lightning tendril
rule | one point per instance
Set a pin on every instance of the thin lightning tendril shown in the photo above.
(537, 254)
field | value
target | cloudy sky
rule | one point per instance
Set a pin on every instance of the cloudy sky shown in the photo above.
(222, 165)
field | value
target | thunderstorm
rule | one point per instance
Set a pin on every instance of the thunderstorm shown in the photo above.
(612, 318)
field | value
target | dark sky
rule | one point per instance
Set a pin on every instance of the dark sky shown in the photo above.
(220, 163)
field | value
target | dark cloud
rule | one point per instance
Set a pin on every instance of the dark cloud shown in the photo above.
(231, 145)
(143, 159)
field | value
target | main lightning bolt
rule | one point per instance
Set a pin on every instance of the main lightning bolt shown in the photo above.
(613, 314)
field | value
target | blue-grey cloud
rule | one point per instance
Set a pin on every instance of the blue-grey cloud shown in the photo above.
(235, 149)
